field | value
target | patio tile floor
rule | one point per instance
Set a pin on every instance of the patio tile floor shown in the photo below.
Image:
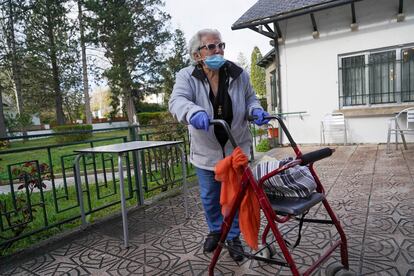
(371, 192)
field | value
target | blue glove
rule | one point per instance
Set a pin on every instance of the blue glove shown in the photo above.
(260, 114)
(200, 120)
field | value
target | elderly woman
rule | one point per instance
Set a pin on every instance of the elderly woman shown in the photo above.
(214, 88)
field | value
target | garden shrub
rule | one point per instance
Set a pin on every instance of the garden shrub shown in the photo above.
(263, 145)
(263, 103)
(146, 118)
(175, 130)
(260, 132)
(65, 138)
(4, 144)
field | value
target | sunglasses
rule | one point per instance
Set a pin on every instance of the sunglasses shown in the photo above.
(213, 46)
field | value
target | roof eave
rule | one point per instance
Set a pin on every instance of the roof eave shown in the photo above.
(291, 14)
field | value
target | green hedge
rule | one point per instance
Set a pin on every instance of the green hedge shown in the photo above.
(150, 107)
(65, 138)
(146, 118)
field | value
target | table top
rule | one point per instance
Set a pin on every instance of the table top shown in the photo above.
(128, 146)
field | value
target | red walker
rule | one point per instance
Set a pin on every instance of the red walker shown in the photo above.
(283, 209)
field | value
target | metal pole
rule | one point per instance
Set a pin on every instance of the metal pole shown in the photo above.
(278, 84)
(80, 193)
(123, 203)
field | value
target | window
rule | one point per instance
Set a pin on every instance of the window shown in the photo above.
(407, 75)
(353, 81)
(380, 77)
(273, 89)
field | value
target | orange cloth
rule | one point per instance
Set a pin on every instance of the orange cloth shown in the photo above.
(229, 171)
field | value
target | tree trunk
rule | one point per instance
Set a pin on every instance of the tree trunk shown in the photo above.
(69, 111)
(88, 114)
(3, 132)
(60, 117)
(17, 79)
(130, 108)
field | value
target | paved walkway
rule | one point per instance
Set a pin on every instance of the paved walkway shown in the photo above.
(372, 193)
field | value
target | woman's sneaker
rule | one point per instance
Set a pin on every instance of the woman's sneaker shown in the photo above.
(211, 241)
(235, 248)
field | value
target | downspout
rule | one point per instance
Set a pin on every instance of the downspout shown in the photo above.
(278, 85)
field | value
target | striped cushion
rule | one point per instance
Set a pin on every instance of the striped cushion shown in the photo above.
(293, 182)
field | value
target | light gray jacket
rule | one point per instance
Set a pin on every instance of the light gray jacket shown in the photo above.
(191, 94)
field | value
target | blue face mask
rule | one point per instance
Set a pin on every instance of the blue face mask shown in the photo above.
(214, 62)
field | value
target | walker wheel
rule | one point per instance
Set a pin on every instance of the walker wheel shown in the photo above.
(333, 268)
(272, 249)
(266, 251)
(263, 252)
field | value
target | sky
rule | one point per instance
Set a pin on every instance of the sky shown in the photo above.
(193, 15)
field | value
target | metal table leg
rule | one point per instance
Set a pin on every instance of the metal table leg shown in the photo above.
(79, 185)
(123, 203)
(184, 171)
(139, 176)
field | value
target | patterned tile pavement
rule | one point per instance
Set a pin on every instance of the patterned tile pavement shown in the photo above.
(372, 193)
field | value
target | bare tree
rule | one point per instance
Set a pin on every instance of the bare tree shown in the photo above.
(88, 114)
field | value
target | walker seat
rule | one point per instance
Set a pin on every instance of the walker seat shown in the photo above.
(295, 205)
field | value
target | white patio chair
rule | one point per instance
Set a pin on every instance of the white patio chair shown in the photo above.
(402, 124)
(333, 123)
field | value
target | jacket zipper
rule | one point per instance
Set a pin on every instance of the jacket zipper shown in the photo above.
(207, 87)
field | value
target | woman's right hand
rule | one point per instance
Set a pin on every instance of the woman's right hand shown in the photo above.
(200, 120)
(260, 115)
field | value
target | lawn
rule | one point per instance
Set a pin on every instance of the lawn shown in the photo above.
(39, 151)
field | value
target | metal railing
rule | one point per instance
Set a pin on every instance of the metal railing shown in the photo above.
(380, 80)
(42, 195)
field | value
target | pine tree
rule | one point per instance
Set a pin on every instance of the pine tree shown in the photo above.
(132, 33)
(257, 74)
(177, 60)
(52, 43)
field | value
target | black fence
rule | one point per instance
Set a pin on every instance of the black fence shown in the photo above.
(39, 194)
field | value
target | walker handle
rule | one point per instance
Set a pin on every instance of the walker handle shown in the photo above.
(226, 127)
(316, 155)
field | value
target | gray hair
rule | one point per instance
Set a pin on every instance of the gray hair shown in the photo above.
(195, 41)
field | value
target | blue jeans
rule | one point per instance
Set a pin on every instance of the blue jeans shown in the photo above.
(210, 198)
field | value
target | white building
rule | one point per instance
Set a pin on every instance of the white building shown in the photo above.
(156, 98)
(354, 57)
